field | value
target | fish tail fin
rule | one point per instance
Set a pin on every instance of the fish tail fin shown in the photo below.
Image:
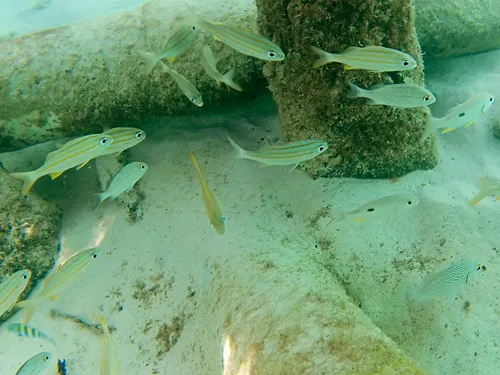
(484, 191)
(28, 178)
(338, 217)
(324, 57)
(30, 305)
(228, 79)
(355, 91)
(102, 197)
(151, 61)
(431, 125)
(241, 153)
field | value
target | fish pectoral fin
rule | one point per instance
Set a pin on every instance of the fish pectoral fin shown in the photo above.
(82, 165)
(55, 175)
(359, 220)
(447, 130)
(171, 59)
(295, 166)
(54, 297)
(469, 124)
(349, 67)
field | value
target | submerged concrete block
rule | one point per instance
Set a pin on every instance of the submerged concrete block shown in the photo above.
(365, 141)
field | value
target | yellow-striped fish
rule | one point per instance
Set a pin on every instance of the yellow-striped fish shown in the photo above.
(241, 40)
(292, 153)
(75, 153)
(178, 43)
(214, 212)
(209, 63)
(11, 289)
(69, 272)
(485, 190)
(123, 139)
(36, 365)
(373, 58)
(109, 361)
(186, 87)
(24, 330)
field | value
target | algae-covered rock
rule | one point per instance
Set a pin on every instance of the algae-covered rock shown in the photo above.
(79, 78)
(29, 230)
(364, 140)
(457, 27)
(495, 127)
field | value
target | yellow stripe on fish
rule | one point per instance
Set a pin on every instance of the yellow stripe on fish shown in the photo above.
(288, 154)
(214, 212)
(38, 364)
(123, 138)
(54, 284)
(186, 87)
(24, 330)
(12, 288)
(74, 153)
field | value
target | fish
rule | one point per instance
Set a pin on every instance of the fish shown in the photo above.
(381, 207)
(178, 43)
(66, 274)
(24, 330)
(124, 180)
(36, 365)
(485, 190)
(397, 95)
(462, 115)
(292, 153)
(75, 153)
(241, 40)
(214, 212)
(123, 139)
(12, 288)
(372, 58)
(109, 361)
(209, 62)
(446, 282)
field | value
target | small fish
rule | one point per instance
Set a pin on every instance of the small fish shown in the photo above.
(209, 62)
(109, 362)
(12, 288)
(463, 115)
(446, 282)
(373, 58)
(292, 153)
(36, 365)
(243, 41)
(69, 272)
(24, 330)
(398, 95)
(124, 180)
(178, 43)
(214, 212)
(485, 190)
(123, 139)
(75, 153)
(382, 207)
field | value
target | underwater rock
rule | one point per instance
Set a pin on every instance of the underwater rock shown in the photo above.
(29, 233)
(75, 79)
(286, 314)
(495, 127)
(457, 27)
(365, 141)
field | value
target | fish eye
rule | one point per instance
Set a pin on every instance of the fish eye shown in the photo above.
(481, 267)
(491, 99)
(409, 203)
(94, 255)
(427, 98)
(104, 140)
(46, 357)
(138, 135)
(143, 166)
(271, 54)
(223, 218)
(25, 276)
(194, 27)
(321, 148)
(461, 114)
(193, 100)
(370, 210)
(406, 63)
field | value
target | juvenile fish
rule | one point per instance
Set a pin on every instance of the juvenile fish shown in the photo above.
(214, 212)
(24, 330)
(12, 288)
(398, 95)
(447, 282)
(178, 43)
(373, 58)
(292, 153)
(485, 190)
(109, 362)
(463, 115)
(382, 207)
(209, 63)
(69, 272)
(75, 153)
(124, 180)
(36, 365)
(123, 139)
(243, 41)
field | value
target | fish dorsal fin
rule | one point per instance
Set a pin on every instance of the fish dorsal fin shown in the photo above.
(55, 175)
(350, 49)
(349, 67)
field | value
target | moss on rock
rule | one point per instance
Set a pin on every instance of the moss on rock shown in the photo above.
(29, 233)
(365, 141)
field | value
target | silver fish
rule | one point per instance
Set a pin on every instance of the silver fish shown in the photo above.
(36, 365)
(124, 180)
(398, 96)
(209, 62)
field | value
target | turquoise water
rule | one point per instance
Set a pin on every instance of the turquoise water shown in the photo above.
(286, 289)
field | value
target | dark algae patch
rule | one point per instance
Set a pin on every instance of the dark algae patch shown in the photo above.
(168, 335)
